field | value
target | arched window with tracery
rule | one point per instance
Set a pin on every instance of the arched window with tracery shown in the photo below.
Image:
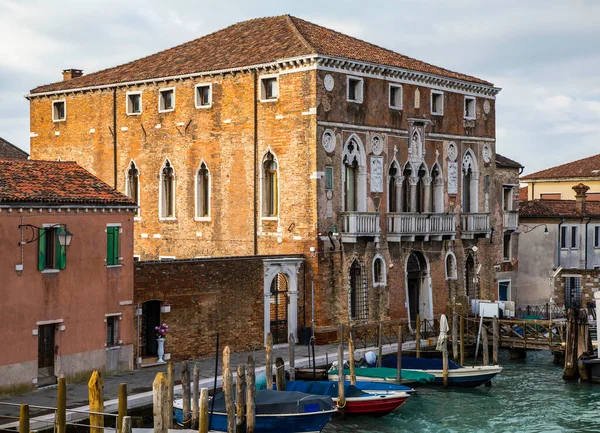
(394, 188)
(470, 177)
(437, 186)
(354, 175)
(203, 191)
(423, 185)
(167, 190)
(270, 177)
(407, 175)
(132, 185)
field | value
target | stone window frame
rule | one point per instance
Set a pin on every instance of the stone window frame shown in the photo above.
(116, 318)
(138, 214)
(437, 93)
(399, 87)
(262, 89)
(361, 184)
(359, 99)
(160, 193)
(467, 101)
(451, 274)
(161, 99)
(54, 117)
(197, 217)
(383, 280)
(128, 103)
(210, 92)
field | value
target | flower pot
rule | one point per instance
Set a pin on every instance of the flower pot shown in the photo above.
(161, 349)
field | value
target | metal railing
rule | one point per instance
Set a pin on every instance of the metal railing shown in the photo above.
(544, 311)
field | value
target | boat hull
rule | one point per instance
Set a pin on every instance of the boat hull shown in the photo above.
(377, 406)
(466, 376)
(311, 422)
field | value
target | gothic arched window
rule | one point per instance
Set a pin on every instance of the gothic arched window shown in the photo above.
(270, 186)
(167, 190)
(132, 185)
(202, 191)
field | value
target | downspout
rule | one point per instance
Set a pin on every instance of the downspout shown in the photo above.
(586, 242)
(532, 191)
(115, 135)
(255, 161)
(559, 241)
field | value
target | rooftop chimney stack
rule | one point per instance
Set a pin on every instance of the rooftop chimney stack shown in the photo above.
(69, 74)
(580, 196)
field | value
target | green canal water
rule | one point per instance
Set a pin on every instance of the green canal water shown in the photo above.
(528, 396)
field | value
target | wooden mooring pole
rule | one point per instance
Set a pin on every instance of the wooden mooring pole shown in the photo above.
(170, 386)
(351, 360)
(485, 344)
(445, 363)
(495, 340)
(203, 411)
(195, 395)
(185, 388)
(122, 411)
(570, 371)
(379, 344)
(240, 393)
(455, 336)
(228, 390)
(96, 396)
(462, 340)
(292, 356)
(126, 428)
(160, 406)
(24, 418)
(399, 355)
(250, 395)
(341, 399)
(418, 337)
(269, 361)
(280, 374)
(61, 406)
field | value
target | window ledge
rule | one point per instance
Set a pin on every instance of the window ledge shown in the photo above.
(356, 101)
(203, 219)
(203, 107)
(50, 271)
(269, 100)
(135, 114)
(470, 118)
(379, 284)
(59, 120)
(396, 108)
(137, 218)
(109, 348)
(167, 218)
(437, 114)
(166, 111)
(273, 218)
(114, 266)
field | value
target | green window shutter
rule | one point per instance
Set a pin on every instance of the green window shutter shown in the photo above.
(110, 234)
(61, 252)
(42, 250)
(115, 245)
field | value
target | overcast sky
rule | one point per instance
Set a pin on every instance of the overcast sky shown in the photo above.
(544, 54)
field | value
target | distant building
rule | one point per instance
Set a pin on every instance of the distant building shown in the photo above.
(66, 309)
(9, 150)
(559, 250)
(556, 183)
(279, 137)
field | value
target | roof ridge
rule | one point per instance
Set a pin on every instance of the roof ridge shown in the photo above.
(290, 19)
(14, 146)
(561, 165)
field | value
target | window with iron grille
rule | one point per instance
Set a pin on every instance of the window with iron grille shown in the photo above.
(572, 292)
(357, 296)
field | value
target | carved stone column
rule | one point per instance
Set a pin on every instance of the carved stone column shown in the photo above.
(426, 194)
(399, 196)
(413, 181)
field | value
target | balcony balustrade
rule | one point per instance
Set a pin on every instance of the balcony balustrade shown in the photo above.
(359, 224)
(428, 226)
(511, 220)
(474, 224)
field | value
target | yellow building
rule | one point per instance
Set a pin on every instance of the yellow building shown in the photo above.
(556, 183)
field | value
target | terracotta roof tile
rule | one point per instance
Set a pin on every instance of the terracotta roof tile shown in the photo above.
(54, 183)
(556, 208)
(503, 161)
(582, 168)
(523, 193)
(253, 42)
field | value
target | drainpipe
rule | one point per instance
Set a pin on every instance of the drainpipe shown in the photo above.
(532, 191)
(586, 242)
(255, 77)
(115, 135)
(559, 240)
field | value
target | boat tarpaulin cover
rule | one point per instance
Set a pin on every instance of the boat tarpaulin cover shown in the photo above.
(322, 388)
(390, 374)
(418, 363)
(280, 402)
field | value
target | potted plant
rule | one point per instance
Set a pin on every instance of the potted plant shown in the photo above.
(161, 335)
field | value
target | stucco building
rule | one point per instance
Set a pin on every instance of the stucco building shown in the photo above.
(559, 250)
(67, 273)
(277, 136)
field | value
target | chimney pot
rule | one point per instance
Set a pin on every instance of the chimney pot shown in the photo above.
(69, 74)
(580, 197)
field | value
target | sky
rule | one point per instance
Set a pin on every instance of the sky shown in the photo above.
(544, 54)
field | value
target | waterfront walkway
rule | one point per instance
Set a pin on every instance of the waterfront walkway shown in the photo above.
(139, 382)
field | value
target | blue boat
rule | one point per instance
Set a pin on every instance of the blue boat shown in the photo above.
(471, 376)
(276, 412)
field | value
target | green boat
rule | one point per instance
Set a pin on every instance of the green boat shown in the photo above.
(382, 374)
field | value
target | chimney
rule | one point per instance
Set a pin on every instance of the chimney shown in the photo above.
(580, 191)
(69, 74)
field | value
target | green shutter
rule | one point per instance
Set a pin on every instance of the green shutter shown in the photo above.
(42, 250)
(112, 246)
(61, 252)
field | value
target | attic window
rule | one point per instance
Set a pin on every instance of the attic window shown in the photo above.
(59, 111)
(355, 90)
(269, 88)
(166, 100)
(134, 103)
(203, 95)
(469, 108)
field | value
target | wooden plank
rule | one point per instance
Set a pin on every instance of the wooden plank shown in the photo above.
(379, 344)
(170, 386)
(455, 336)
(485, 344)
(445, 364)
(351, 360)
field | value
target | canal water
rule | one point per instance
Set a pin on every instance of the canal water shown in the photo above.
(528, 396)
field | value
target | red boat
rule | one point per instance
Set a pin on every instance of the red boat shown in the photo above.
(374, 404)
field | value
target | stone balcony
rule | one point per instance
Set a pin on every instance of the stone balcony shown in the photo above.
(510, 220)
(359, 224)
(424, 226)
(474, 224)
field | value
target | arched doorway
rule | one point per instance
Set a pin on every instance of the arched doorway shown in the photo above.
(418, 287)
(279, 309)
(150, 320)
(470, 286)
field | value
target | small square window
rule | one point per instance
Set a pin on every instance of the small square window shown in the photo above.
(269, 88)
(437, 102)
(166, 100)
(134, 103)
(328, 178)
(355, 90)
(59, 111)
(203, 96)
(395, 96)
(469, 108)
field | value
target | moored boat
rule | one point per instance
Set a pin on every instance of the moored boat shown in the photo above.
(276, 412)
(470, 376)
(387, 375)
(358, 402)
